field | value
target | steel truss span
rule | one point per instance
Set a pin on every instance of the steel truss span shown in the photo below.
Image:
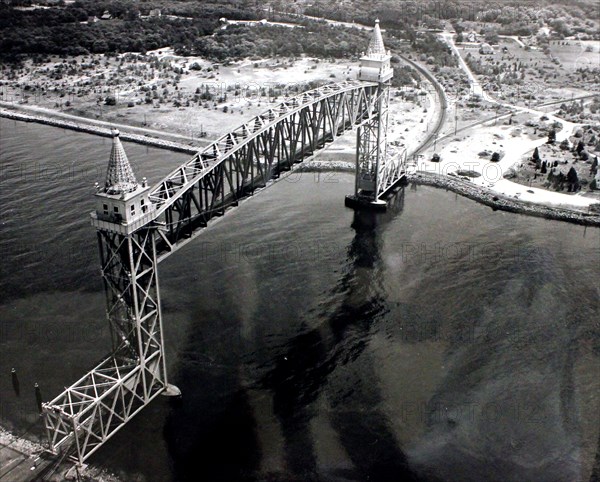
(90, 411)
(138, 226)
(238, 163)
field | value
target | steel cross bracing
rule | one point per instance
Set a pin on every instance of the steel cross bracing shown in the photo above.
(376, 170)
(245, 159)
(90, 411)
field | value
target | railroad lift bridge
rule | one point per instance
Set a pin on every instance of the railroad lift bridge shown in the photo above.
(140, 225)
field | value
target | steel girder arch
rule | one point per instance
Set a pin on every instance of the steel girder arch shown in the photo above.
(244, 160)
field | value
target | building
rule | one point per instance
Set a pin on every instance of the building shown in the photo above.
(155, 12)
(375, 64)
(106, 15)
(486, 49)
(122, 205)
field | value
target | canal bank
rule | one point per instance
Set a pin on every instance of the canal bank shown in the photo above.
(504, 203)
(464, 188)
(98, 130)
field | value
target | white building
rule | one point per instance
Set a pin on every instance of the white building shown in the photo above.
(375, 64)
(486, 49)
(122, 205)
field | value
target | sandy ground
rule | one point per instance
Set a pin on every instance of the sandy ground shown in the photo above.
(239, 90)
(515, 141)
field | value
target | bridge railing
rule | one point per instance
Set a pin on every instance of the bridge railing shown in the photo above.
(168, 190)
(247, 158)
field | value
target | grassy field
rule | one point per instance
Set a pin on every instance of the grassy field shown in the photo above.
(528, 76)
(576, 54)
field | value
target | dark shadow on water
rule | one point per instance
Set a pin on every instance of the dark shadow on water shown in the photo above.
(302, 372)
(222, 444)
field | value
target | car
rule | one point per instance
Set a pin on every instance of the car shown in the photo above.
(436, 158)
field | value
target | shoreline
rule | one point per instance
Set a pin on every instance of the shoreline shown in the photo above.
(479, 194)
(25, 458)
(503, 203)
(473, 192)
(97, 130)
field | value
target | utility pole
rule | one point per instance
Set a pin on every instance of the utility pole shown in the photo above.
(455, 118)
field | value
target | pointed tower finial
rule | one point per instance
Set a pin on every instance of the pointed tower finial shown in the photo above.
(120, 178)
(376, 46)
(375, 63)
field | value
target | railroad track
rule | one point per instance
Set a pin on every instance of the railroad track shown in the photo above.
(442, 101)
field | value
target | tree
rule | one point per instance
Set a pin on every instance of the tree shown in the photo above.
(551, 136)
(580, 147)
(544, 167)
(594, 167)
(536, 155)
(572, 180)
(491, 36)
(495, 157)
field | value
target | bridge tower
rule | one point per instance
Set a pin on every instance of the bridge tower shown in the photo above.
(94, 408)
(376, 172)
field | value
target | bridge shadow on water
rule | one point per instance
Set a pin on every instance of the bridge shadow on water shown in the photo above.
(223, 443)
(302, 373)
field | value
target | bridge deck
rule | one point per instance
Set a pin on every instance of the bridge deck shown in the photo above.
(163, 194)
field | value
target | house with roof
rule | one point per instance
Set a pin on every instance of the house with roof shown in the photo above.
(486, 49)
(471, 37)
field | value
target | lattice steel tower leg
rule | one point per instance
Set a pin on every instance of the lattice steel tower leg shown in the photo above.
(376, 172)
(90, 411)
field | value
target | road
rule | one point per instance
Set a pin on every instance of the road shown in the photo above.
(477, 89)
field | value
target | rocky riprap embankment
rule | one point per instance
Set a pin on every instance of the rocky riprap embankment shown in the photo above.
(497, 201)
(97, 130)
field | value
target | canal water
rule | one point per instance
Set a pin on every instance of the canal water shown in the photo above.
(440, 341)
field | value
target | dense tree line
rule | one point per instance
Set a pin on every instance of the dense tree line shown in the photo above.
(436, 51)
(59, 31)
(315, 39)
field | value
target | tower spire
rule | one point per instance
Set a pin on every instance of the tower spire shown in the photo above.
(120, 178)
(376, 47)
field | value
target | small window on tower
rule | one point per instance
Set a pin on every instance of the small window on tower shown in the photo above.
(132, 210)
(105, 209)
(116, 209)
(142, 202)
